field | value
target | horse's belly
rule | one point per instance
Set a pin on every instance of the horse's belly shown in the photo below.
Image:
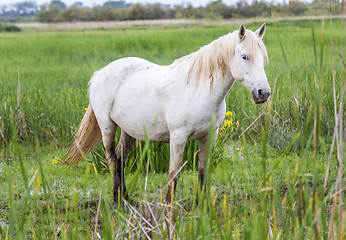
(143, 119)
(154, 131)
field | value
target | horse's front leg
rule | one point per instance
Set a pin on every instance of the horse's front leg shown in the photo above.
(177, 145)
(202, 161)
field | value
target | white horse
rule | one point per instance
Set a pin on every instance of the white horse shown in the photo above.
(172, 103)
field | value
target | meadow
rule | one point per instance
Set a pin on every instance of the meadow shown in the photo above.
(264, 182)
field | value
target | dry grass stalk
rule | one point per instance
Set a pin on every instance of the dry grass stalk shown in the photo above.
(97, 214)
(2, 136)
(141, 221)
(263, 112)
(151, 218)
(340, 143)
(179, 170)
(19, 117)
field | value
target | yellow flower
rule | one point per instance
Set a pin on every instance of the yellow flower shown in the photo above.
(228, 113)
(237, 149)
(228, 124)
(85, 109)
(55, 161)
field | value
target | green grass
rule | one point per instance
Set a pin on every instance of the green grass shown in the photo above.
(267, 184)
(54, 69)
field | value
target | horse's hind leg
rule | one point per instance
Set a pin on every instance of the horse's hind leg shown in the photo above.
(108, 130)
(122, 152)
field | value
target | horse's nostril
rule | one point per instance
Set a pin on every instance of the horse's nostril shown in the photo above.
(260, 93)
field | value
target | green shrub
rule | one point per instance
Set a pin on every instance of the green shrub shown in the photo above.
(12, 28)
(9, 28)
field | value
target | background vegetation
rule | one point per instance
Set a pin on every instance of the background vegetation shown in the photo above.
(9, 28)
(58, 11)
(269, 183)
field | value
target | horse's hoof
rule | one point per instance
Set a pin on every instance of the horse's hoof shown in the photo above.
(134, 203)
(124, 205)
(115, 205)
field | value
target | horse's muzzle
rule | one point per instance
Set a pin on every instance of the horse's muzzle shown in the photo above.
(260, 95)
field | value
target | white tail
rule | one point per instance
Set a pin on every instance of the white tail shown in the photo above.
(85, 139)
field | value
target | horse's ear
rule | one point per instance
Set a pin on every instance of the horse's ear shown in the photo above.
(260, 32)
(241, 33)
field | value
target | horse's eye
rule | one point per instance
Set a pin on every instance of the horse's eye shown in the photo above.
(243, 56)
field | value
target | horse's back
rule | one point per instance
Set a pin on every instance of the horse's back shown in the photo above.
(122, 68)
(127, 92)
(110, 78)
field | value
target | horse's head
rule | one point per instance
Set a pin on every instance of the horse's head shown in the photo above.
(247, 63)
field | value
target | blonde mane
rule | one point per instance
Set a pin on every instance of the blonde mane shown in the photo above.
(213, 59)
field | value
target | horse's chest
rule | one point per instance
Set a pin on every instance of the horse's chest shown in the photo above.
(196, 124)
(199, 130)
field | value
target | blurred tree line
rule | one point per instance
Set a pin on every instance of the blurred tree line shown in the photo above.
(57, 10)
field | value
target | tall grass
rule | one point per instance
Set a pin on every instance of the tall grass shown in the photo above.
(244, 201)
(267, 184)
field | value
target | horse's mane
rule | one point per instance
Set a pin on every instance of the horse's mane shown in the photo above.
(213, 59)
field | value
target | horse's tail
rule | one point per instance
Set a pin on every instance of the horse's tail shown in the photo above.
(85, 139)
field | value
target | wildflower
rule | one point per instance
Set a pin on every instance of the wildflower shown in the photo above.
(85, 109)
(228, 113)
(237, 149)
(228, 124)
(55, 161)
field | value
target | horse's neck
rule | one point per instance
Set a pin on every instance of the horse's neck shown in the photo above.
(221, 87)
(215, 89)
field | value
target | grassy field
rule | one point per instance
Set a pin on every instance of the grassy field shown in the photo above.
(267, 184)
